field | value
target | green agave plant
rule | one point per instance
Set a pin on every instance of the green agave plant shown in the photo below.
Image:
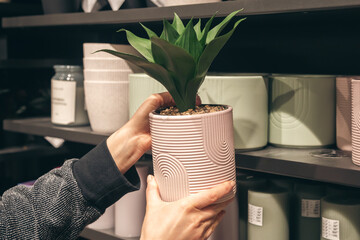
(180, 58)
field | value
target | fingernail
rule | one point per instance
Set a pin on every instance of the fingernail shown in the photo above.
(149, 178)
(232, 183)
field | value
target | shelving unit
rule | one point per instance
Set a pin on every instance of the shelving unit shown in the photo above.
(185, 12)
(283, 36)
(35, 63)
(310, 164)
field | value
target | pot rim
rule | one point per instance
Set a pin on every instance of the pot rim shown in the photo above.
(155, 115)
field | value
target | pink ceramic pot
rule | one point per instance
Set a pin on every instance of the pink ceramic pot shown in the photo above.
(192, 153)
(355, 121)
(343, 113)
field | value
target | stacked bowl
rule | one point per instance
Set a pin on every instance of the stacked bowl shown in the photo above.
(106, 86)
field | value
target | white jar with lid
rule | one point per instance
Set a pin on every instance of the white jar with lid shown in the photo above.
(67, 96)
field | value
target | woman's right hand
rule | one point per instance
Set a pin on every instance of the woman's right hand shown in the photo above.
(191, 218)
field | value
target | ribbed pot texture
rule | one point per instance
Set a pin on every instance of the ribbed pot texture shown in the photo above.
(192, 153)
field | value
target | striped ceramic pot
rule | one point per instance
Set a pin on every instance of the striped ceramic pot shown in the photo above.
(192, 153)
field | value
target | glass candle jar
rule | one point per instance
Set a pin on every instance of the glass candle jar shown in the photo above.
(67, 96)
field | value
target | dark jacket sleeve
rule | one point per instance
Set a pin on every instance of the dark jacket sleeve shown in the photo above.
(62, 202)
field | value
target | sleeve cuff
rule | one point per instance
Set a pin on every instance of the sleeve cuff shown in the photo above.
(99, 179)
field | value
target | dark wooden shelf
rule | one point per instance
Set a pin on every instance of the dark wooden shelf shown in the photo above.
(43, 127)
(312, 164)
(153, 14)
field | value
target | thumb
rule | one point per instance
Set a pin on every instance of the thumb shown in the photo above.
(152, 191)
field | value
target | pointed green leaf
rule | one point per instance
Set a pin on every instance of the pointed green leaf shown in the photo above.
(153, 70)
(179, 63)
(149, 32)
(206, 29)
(142, 45)
(178, 24)
(213, 33)
(169, 32)
(188, 41)
(197, 29)
(212, 50)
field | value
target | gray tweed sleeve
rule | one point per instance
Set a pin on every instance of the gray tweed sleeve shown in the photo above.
(62, 202)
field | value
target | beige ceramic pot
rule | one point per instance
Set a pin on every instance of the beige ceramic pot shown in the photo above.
(355, 121)
(192, 153)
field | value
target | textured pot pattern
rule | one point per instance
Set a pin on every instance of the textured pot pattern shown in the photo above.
(192, 153)
(302, 111)
(355, 121)
(343, 113)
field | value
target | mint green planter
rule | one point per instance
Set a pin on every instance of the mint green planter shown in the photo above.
(302, 111)
(247, 94)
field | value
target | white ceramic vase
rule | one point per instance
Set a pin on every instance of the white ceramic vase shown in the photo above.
(192, 153)
(302, 111)
(130, 209)
(107, 105)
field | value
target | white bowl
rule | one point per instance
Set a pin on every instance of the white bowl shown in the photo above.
(107, 105)
(106, 75)
(90, 48)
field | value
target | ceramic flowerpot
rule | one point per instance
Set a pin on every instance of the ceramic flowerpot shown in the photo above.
(247, 95)
(192, 153)
(302, 111)
(343, 112)
(355, 121)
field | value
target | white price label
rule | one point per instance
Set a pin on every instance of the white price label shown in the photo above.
(330, 229)
(255, 215)
(310, 208)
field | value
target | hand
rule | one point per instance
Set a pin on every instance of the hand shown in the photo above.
(190, 218)
(130, 142)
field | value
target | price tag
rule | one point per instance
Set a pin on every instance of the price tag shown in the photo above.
(255, 215)
(310, 208)
(330, 229)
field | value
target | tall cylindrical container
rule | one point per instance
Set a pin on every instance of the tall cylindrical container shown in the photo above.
(340, 218)
(355, 121)
(302, 111)
(192, 153)
(268, 214)
(307, 225)
(248, 96)
(245, 182)
(106, 220)
(343, 112)
(130, 209)
(67, 96)
(228, 228)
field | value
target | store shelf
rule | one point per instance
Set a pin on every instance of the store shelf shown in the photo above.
(136, 15)
(43, 127)
(299, 163)
(105, 234)
(313, 164)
